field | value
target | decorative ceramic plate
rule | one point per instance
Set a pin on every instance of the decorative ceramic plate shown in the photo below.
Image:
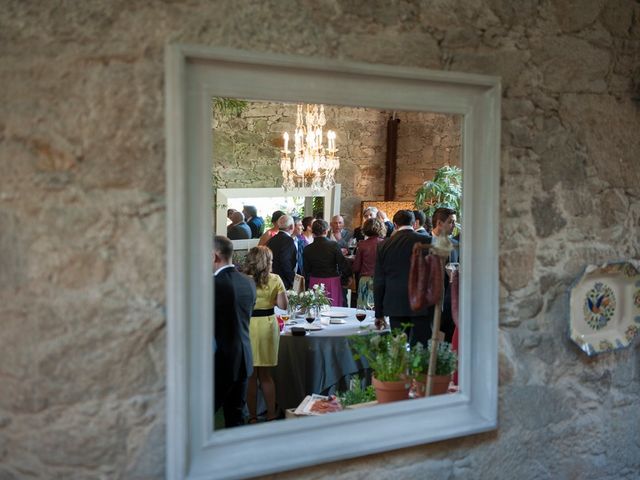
(605, 307)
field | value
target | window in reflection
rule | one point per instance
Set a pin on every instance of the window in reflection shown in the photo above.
(381, 166)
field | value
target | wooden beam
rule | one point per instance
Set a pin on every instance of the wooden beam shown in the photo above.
(391, 160)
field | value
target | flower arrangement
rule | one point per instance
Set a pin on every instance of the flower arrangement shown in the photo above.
(314, 297)
(388, 355)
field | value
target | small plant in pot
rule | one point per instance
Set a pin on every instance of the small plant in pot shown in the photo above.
(357, 394)
(446, 365)
(389, 359)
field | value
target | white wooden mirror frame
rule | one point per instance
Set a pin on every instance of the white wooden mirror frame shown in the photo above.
(193, 76)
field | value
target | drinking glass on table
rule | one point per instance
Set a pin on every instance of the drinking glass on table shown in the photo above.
(290, 314)
(370, 306)
(361, 315)
(311, 314)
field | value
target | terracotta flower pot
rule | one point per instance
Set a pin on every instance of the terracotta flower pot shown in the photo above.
(391, 391)
(440, 385)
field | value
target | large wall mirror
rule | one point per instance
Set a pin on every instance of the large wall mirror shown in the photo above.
(194, 76)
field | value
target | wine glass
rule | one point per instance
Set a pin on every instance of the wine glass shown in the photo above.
(352, 246)
(370, 306)
(290, 314)
(361, 314)
(310, 316)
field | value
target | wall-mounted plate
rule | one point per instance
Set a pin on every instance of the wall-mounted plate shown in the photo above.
(605, 307)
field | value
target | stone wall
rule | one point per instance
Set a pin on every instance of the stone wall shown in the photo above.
(82, 220)
(246, 150)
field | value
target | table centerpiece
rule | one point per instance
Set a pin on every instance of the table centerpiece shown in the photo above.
(309, 302)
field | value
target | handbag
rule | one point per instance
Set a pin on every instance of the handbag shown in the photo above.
(425, 279)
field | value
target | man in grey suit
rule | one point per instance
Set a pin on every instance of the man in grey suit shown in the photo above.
(238, 230)
(234, 296)
(391, 280)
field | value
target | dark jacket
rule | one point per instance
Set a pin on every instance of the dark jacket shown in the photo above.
(239, 231)
(324, 259)
(391, 276)
(234, 298)
(284, 252)
(365, 262)
(256, 224)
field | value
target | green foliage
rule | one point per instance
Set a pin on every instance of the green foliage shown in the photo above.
(318, 206)
(238, 257)
(228, 106)
(388, 355)
(446, 359)
(445, 190)
(357, 394)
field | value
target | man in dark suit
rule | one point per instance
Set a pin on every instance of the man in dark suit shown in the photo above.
(391, 280)
(234, 296)
(419, 224)
(256, 223)
(284, 251)
(444, 221)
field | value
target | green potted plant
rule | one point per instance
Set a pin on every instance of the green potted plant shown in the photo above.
(445, 190)
(446, 365)
(388, 357)
(357, 395)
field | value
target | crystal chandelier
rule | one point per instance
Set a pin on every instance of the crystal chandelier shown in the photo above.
(313, 166)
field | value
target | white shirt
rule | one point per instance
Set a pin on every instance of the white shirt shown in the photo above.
(222, 268)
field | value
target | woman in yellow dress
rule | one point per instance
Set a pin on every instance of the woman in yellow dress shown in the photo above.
(263, 329)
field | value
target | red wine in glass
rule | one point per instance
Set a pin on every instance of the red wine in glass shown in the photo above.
(360, 316)
(310, 319)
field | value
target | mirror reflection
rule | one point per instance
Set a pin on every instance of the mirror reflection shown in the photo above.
(335, 259)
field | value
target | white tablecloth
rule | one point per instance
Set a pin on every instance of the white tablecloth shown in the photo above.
(329, 329)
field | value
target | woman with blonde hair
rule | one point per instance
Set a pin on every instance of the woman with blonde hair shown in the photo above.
(263, 329)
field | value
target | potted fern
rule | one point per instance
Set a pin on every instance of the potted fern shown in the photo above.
(388, 357)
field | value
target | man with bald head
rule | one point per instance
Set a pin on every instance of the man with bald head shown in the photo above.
(339, 234)
(238, 230)
(285, 253)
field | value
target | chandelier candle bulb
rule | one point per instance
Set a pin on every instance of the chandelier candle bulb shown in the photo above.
(313, 166)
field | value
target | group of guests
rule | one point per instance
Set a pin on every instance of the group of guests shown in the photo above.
(391, 274)
(246, 330)
(245, 224)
